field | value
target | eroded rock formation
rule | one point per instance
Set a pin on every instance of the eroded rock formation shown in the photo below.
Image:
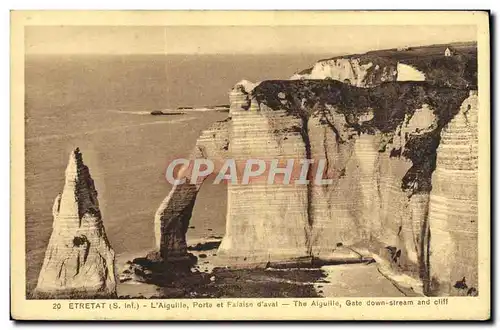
(79, 261)
(172, 217)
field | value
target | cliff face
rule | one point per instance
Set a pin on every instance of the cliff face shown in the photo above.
(352, 71)
(79, 262)
(389, 150)
(391, 187)
(258, 212)
(453, 207)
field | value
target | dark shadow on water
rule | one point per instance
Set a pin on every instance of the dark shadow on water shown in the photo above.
(180, 281)
(205, 246)
(264, 283)
(161, 113)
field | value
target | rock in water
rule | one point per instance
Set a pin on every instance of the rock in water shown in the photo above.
(79, 261)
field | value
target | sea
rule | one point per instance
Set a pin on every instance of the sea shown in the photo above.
(101, 104)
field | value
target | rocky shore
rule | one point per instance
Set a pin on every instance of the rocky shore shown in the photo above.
(142, 278)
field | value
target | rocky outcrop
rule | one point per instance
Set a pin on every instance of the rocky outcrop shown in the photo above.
(79, 261)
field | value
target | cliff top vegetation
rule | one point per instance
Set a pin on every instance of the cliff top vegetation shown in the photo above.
(389, 101)
(458, 70)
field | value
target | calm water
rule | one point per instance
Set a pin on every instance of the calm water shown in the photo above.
(94, 102)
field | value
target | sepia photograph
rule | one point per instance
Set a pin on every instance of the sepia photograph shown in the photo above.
(175, 166)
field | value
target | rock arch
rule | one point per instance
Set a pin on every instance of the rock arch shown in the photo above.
(173, 215)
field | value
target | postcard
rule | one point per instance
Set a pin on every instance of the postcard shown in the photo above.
(241, 165)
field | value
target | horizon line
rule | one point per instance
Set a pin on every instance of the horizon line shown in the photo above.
(353, 52)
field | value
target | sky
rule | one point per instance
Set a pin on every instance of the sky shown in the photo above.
(334, 39)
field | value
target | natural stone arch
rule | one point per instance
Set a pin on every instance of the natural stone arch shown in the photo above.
(173, 215)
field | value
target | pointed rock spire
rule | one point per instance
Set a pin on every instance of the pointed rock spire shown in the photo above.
(79, 261)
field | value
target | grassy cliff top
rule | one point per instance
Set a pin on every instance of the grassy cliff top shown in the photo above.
(458, 70)
(467, 48)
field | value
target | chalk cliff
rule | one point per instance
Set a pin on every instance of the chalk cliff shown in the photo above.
(453, 210)
(352, 71)
(398, 131)
(79, 261)
(383, 152)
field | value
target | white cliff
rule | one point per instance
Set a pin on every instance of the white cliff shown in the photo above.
(360, 73)
(409, 73)
(453, 212)
(383, 200)
(256, 212)
(351, 71)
